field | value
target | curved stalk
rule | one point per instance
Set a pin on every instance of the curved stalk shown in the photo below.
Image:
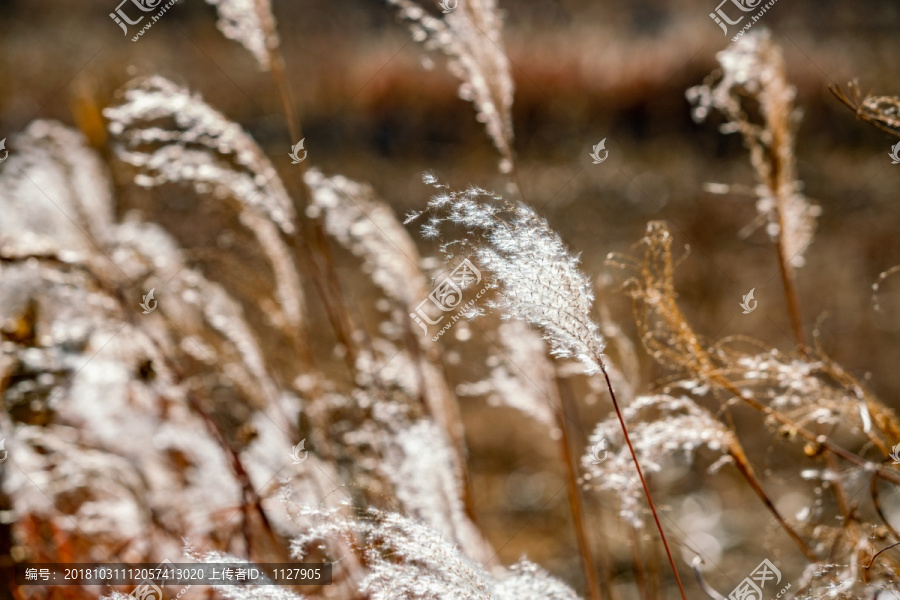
(575, 504)
(637, 465)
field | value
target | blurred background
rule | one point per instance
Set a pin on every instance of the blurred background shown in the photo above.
(376, 110)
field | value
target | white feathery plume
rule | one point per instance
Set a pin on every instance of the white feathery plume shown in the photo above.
(521, 376)
(250, 23)
(411, 454)
(56, 194)
(218, 157)
(86, 348)
(222, 313)
(848, 573)
(167, 465)
(409, 560)
(199, 149)
(801, 389)
(538, 279)
(366, 226)
(198, 307)
(421, 465)
(530, 582)
(406, 558)
(753, 68)
(59, 464)
(659, 426)
(471, 37)
(287, 280)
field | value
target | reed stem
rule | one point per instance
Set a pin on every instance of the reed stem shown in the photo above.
(743, 465)
(574, 493)
(640, 472)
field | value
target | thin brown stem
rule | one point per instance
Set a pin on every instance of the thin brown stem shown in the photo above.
(249, 495)
(640, 472)
(743, 465)
(640, 577)
(318, 253)
(839, 493)
(876, 502)
(575, 504)
(792, 427)
(781, 179)
(604, 558)
(790, 292)
(877, 554)
(284, 96)
(654, 574)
